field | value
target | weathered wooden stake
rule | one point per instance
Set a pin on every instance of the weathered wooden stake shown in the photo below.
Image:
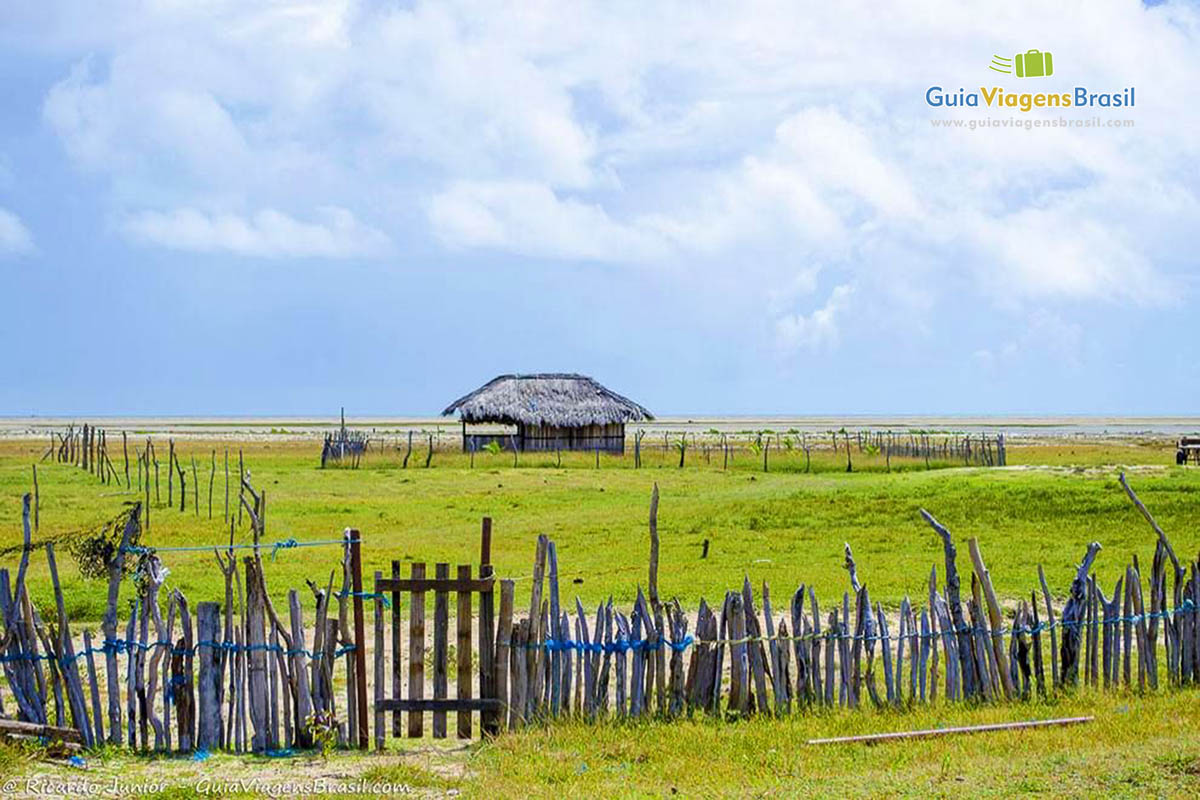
(360, 654)
(503, 656)
(208, 622)
(489, 718)
(380, 730)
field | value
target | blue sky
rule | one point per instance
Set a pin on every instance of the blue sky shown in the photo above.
(282, 208)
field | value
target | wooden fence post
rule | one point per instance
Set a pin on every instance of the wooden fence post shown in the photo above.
(397, 661)
(360, 651)
(208, 621)
(380, 731)
(300, 672)
(489, 718)
(257, 658)
(503, 642)
(186, 710)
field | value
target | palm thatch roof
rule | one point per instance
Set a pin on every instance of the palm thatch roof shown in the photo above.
(552, 398)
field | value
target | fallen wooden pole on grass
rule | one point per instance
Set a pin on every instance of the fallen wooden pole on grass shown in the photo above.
(32, 730)
(931, 732)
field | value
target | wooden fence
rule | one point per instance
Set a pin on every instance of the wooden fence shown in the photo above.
(241, 678)
(246, 679)
(344, 447)
(86, 447)
(986, 450)
(742, 659)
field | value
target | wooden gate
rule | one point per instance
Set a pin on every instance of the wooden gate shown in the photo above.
(492, 655)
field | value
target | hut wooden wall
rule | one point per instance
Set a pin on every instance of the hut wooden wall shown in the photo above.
(607, 438)
(548, 438)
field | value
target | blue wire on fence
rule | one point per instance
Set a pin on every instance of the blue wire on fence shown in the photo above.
(275, 547)
(620, 646)
(121, 645)
(623, 645)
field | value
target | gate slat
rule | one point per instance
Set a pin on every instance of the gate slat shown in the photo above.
(464, 652)
(441, 633)
(397, 652)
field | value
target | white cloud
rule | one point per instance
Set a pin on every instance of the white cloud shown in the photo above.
(817, 165)
(1055, 253)
(840, 154)
(15, 238)
(268, 234)
(818, 329)
(730, 145)
(802, 284)
(529, 219)
(1043, 335)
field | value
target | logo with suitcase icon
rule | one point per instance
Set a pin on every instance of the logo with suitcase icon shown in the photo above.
(1030, 64)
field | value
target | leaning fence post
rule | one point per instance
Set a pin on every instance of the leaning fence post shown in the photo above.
(67, 663)
(360, 652)
(97, 713)
(994, 616)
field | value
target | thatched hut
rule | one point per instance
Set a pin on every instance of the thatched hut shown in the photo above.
(549, 411)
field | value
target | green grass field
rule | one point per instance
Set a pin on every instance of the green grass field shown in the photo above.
(782, 526)
(1134, 748)
(785, 526)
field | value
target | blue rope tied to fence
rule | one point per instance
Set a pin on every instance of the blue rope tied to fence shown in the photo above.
(368, 596)
(123, 646)
(681, 645)
(620, 646)
(286, 544)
